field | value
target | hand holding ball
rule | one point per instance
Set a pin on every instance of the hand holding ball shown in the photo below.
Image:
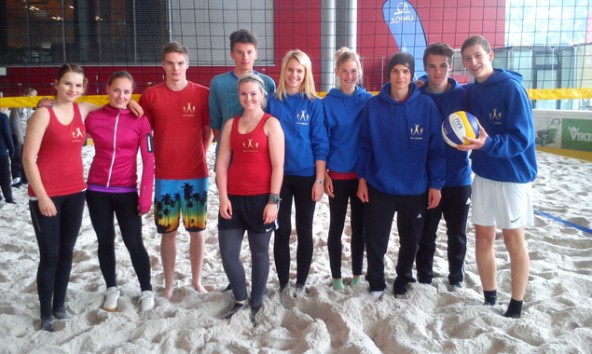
(458, 125)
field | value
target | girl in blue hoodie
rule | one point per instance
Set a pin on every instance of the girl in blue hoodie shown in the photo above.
(401, 169)
(342, 107)
(300, 113)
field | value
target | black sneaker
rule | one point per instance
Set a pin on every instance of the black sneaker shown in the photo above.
(47, 324)
(61, 314)
(399, 287)
(456, 285)
(509, 314)
(234, 309)
(254, 312)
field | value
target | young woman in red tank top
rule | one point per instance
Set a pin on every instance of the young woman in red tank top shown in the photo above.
(52, 159)
(249, 174)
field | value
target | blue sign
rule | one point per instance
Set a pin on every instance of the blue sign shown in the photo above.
(407, 30)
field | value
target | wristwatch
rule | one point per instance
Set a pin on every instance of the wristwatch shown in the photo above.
(274, 198)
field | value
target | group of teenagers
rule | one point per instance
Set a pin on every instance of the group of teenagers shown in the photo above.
(278, 147)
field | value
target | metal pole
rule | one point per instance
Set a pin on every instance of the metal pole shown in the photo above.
(135, 33)
(64, 31)
(352, 24)
(327, 44)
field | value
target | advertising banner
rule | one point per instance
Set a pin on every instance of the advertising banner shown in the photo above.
(576, 134)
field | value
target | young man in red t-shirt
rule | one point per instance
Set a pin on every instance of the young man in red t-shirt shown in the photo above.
(178, 112)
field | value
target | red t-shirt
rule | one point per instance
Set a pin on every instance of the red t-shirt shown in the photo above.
(60, 156)
(250, 169)
(178, 120)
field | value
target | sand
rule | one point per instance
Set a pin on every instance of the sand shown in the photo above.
(557, 314)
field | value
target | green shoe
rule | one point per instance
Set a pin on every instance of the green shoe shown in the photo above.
(338, 284)
(356, 281)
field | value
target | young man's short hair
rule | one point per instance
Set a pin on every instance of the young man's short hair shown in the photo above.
(242, 36)
(474, 40)
(438, 48)
(174, 47)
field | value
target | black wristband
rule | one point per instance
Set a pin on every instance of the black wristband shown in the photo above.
(274, 198)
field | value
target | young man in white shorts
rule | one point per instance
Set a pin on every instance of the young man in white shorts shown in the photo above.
(503, 204)
(504, 162)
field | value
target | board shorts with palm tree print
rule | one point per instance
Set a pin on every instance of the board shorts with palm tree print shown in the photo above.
(176, 198)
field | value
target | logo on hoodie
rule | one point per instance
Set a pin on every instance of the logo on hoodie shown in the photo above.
(495, 115)
(302, 117)
(416, 132)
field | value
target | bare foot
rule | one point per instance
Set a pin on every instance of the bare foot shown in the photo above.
(168, 293)
(200, 289)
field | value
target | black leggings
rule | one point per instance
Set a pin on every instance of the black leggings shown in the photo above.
(102, 207)
(5, 179)
(299, 188)
(56, 237)
(230, 241)
(344, 191)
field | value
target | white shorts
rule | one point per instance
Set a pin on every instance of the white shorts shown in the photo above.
(503, 204)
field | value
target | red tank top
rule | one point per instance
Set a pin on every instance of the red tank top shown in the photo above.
(60, 156)
(250, 169)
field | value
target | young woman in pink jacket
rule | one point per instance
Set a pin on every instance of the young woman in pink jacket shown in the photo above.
(112, 185)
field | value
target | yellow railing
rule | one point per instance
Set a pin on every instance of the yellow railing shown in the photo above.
(534, 94)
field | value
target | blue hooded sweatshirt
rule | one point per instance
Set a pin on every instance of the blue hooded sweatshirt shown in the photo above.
(401, 144)
(458, 168)
(303, 123)
(504, 110)
(343, 127)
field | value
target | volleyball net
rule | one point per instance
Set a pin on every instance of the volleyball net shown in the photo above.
(548, 42)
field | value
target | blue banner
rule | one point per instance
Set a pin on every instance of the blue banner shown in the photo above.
(407, 30)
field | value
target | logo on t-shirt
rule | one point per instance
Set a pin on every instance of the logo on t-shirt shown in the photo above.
(188, 109)
(250, 146)
(77, 135)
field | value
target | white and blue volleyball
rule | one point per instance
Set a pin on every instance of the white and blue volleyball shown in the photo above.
(458, 125)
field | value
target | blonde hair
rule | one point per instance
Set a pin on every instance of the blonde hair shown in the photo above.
(255, 78)
(345, 54)
(307, 87)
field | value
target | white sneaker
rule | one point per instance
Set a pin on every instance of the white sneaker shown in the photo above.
(299, 291)
(377, 294)
(111, 299)
(16, 181)
(147, 300)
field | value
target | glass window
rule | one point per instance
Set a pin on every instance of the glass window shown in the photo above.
(129, 32)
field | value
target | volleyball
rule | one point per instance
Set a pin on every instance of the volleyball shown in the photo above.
(458, 125)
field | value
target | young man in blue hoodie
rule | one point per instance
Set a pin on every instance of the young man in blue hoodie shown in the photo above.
(504, 162)
(449, 97)
(400, 169)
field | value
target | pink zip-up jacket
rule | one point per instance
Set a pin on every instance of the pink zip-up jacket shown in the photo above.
(117, 135)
